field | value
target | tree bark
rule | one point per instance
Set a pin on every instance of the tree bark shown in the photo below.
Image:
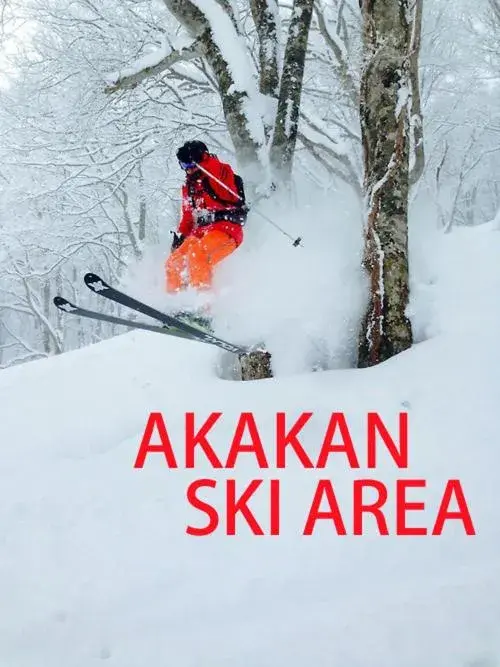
(417, 155)
(287, 117)
(256, 366)
(384, 109)
(265, 13)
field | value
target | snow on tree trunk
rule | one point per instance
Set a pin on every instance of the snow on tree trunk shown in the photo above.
(217, 36)
(287, 117)
(384, 101)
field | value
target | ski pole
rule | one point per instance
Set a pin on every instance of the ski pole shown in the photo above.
(295, 242)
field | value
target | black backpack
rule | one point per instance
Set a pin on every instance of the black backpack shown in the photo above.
(240, 191)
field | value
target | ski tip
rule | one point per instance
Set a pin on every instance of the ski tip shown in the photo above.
(63, 304)
(94, 282)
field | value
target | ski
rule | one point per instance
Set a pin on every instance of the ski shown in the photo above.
(99, 286)
(68, 307)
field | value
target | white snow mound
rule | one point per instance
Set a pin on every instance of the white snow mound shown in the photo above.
(95, 562)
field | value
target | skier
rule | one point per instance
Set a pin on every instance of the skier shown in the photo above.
(211, 225)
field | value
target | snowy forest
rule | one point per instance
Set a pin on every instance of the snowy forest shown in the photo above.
(346, 493)
(356, 126)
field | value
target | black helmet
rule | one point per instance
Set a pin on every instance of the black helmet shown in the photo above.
(192, 151)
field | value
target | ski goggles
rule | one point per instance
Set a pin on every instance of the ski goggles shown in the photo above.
(187, 165)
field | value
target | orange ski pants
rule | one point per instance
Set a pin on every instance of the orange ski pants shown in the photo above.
(192, 263)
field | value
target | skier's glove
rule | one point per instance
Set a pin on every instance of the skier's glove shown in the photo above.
(178, 240)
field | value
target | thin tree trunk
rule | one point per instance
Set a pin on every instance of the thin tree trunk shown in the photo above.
(265, 16)
(417, 155)
(385, 97)
(287, 117)
(46, 338)
(141, 232)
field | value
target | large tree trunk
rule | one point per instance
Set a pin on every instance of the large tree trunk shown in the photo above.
(384, 102)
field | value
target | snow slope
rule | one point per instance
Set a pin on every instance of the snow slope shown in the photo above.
(95, 564)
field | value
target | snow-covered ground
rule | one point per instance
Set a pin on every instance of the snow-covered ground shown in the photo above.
(95, 563)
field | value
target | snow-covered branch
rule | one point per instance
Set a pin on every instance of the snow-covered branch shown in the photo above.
(150, 65)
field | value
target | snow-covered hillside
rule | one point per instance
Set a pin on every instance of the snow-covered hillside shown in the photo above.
(95, 562)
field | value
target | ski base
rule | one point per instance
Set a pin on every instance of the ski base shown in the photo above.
(170, 325)
(99, 286)
(68, 307)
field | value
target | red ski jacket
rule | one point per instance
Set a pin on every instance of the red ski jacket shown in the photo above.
(197, 200)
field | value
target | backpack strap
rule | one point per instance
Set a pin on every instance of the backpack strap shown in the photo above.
(191, 191)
